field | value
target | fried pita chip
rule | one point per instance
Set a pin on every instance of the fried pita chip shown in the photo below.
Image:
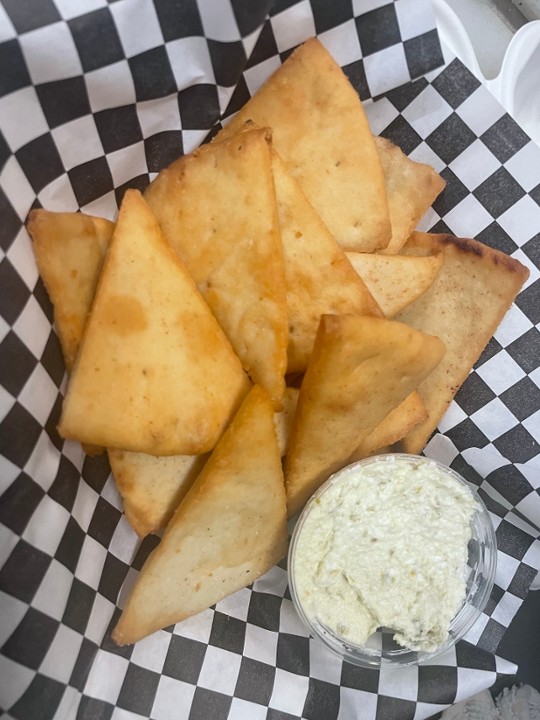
(154, 373)
(394, 427)
(69, 249)
(319, 278)
(152, 487)
(464, 306)
(320, 130)
(396, 280)
(229, 530)
(361, 368)
(217, 209)
(411, 188)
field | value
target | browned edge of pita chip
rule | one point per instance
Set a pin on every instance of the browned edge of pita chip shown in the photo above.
(464, 306)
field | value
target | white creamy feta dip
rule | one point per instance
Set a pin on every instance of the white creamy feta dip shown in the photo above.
(386, 546)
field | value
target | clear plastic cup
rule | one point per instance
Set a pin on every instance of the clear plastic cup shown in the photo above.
(381, 648)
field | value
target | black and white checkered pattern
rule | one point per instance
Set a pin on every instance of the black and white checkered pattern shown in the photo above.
(98, 96)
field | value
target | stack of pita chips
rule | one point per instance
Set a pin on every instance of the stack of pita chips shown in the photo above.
(263, 316)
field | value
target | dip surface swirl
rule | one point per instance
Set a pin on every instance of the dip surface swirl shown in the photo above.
(386, 546)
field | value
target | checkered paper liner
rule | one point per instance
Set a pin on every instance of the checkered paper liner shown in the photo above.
(96, 97)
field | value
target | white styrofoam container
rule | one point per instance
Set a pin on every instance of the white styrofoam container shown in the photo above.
(507, 63)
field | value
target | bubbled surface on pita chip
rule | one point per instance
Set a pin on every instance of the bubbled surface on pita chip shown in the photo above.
(320, 130)
(468, 299)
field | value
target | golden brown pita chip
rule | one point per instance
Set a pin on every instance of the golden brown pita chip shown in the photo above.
(152, 487)
(396, 280)
(69, 250)
(320, 130)
(411, 188)
(464, 306)
(361, 368)
(319, 278)
(393, 427)
(154, 373)
(229, 530)
(217, 209)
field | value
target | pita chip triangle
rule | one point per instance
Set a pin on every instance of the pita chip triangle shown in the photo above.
(217, 209)
(229, 530)
(320, 279)
(360, 369)
(320, 130)
(69, 249)
(464, 305)
(154, 373)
